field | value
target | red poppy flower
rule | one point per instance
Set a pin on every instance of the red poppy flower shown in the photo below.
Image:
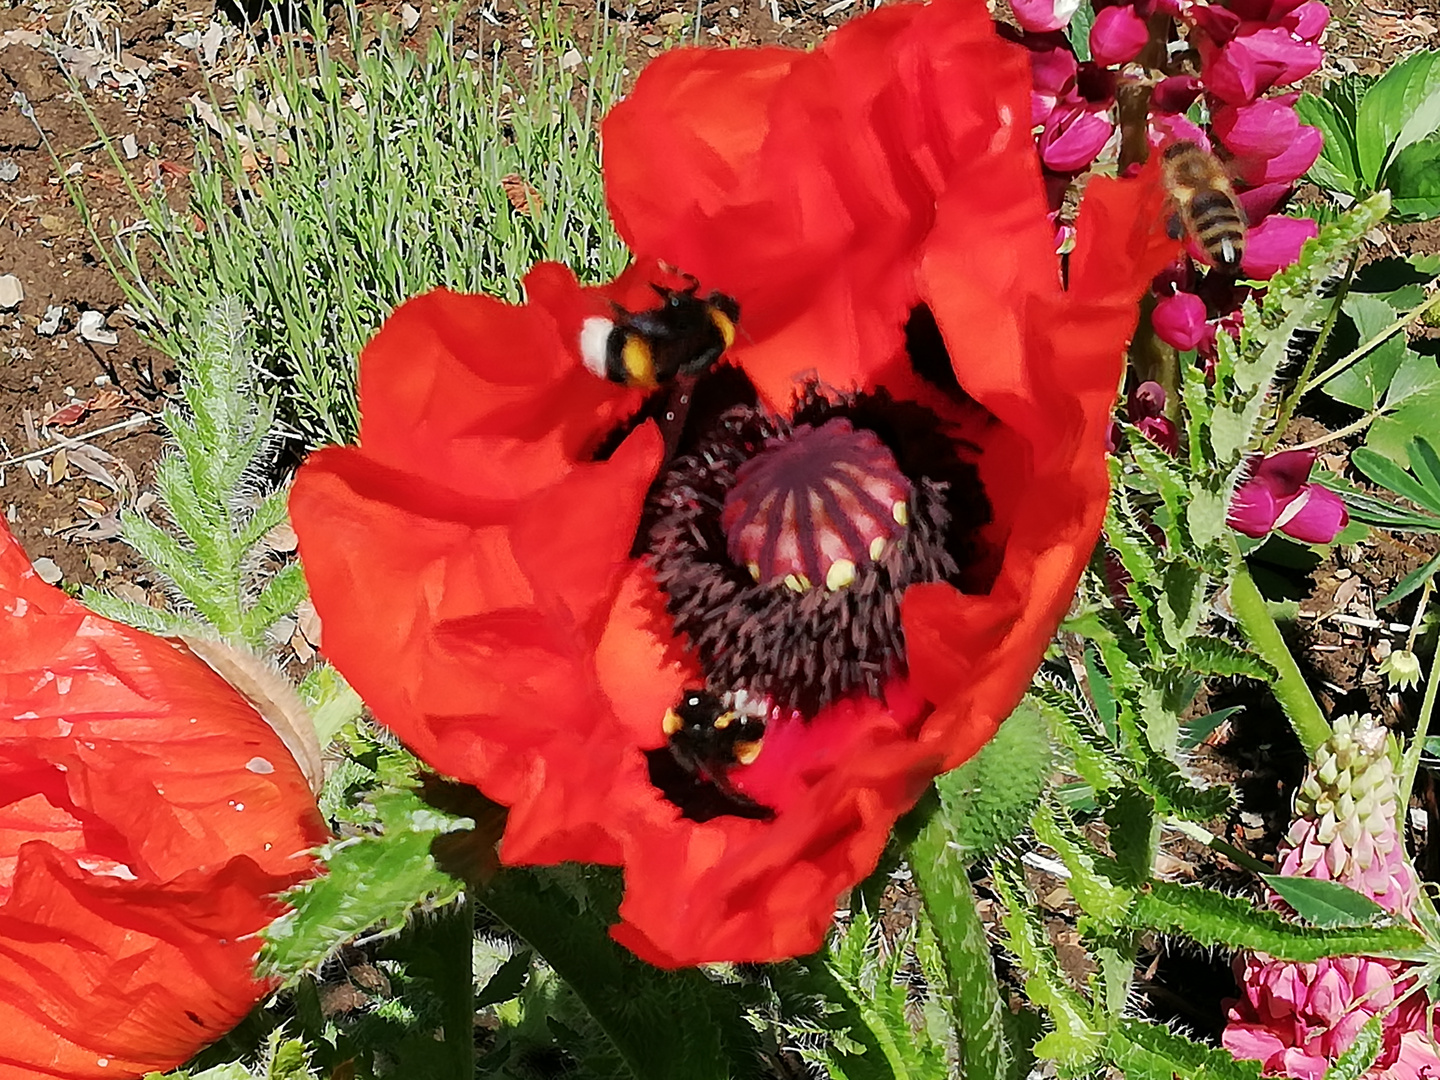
(567, 579)
(148, 815)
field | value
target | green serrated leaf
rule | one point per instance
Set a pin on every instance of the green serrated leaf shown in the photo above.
(1099, 897)
(1336, 169)
(1326, 903)
(1212, 918)
(1216, 656)
(372, 880)
(1142, 1049)
(1414, 180)
(986, 802)
(1098, 683)
(1361, 1055)
(1401, 108)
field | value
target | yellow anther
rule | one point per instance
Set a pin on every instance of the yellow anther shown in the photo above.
(672, 723)
(797, 583)
(840, 574)
(877, 548)
(724, 720)
(754, 569)
(747, 752)
(900, 512)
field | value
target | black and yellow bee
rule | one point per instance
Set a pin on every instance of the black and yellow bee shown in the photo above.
(708, 735)
(684, 336)
(1204, 203)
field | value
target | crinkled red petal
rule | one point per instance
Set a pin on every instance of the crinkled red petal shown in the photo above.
(804, 185)
(148, 815)
(526, 652)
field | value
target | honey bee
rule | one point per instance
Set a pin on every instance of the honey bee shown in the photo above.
(684, 336)
(708, 735)
(1204, 203)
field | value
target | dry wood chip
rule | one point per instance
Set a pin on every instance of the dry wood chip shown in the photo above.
(48, 571)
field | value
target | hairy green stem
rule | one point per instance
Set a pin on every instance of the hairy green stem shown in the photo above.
(974, 993)
(1302, 381)
(1202, 835)
(445, 956)
(1290, 688)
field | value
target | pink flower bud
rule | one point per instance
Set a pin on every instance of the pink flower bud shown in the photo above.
(1052, 77)
(1275, 243)
(1039, 16)
(1179, 321)
(1176, 93)
(1166, 128)
(1308, 21)
(1277, 495)
(1117, 36)
(1073, 137)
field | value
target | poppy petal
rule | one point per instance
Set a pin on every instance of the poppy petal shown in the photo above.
(148, 814)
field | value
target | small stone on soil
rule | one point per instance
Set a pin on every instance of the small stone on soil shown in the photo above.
(48, 571)
(9, 170)
(92, 328)
(51, 322)
(11, 292)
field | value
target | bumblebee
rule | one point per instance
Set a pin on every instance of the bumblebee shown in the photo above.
(708, 735)
(1204, 203)
(685, 335)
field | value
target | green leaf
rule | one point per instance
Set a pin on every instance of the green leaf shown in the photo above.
(1196, 731)
(1383, 471)
(1414, 180)
(331, 701)
(1365, 382)
(1325, 903)
(986, 801)
(1212, 918)
(1362, 1054)
(1411, 581)
(1146, 1051)
(1078, 30)
(565, 915)
(1419, 414)
(372, 880)
(1402, 108)
(507, 982)
(1216, 656)
(1336, 168)
(1416, 375)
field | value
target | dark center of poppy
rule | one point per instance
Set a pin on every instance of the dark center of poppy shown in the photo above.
(810, 510)
(784, 547)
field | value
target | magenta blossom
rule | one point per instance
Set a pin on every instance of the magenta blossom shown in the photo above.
(1268, 141)
(1145, 408)
(1278, 496)
(1275, 243)
(1179, 321)
(1246, 66)
(1041, 16)
(1117, 35)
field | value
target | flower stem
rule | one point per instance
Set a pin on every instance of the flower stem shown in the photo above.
(443, 954)
(1366, 346)
(1302, 381)
(973, 992)
(1290, 688)
(1427, 705)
